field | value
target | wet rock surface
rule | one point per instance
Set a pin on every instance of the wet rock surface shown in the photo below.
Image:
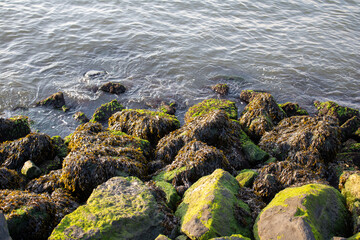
(114, 88)
(56, 100)
(14, 128)
(104, 112)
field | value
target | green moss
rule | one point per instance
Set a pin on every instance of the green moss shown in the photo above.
(246, 177)
(295, 108)
(168, 176)
(172, 198)
(232, 237)
(61, 150)
(334, 109)
(355, 237)
(206, 106)
(156, 114)
(105, 111)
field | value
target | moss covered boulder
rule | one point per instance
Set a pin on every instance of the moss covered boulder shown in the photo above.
(246, 177)
(221, 88)
(215, 129)
(248, 95)
(10, 179)
(349, 128)
(277, 176)
(172, 198)
(232, 237)
(14, 128)
(145, 124)
(209, 105)
(293, 109)
(33, 216)
(313, 211)
(121, 208)
(261, 115)
(36, 147)
(114, 88)
(303, 139)
(56, 100)
(162, 237)
(335, 110)
(104, 112)
(210, 208)
(81, 117)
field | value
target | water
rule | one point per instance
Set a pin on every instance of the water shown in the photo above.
(300, 51)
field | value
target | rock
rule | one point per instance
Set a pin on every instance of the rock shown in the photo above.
(232, 237)
(81, 117)
(210, 208)
(248, 95)
(46, 183)
(121, 208)
(216, 130)
(172, 198)
(61, 150)
(35, 147)
(4, 231)
(356, 134)
(304, 139)
(261, 115)
(144, 124)
(349, 128)
(335, 110)
(255, 202)
(104, 112)
(313, 211)
(246, 177)
(277, 176)
(14, 128)
(114, 88)
(210, 105)
(10, 179)
(30, 170)
(32, 216)
(168, 108)
(55, 101)
(350, 189)
(162, 237)
(293, 109)
(220, 88)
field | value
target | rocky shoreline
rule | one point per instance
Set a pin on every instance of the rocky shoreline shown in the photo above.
(272, 172)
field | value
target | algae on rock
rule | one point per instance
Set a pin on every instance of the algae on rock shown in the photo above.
(210, 208)
(14, 128)
(104, 112)
(335, 110)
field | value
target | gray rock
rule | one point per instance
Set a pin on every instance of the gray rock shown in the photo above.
(4, 231)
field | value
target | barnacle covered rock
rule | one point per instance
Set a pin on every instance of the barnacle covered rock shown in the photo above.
(14, 128)
(36, 147)
(261, 115)
(145, 124)
(104, 112)
(335, 110)
(209, 105)
(313, 211)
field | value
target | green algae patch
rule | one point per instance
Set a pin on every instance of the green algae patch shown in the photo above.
(293, 109)
(162, 237)
(104, 112)
(232, 237)
(246, 177)
(14, 128)
(121, 208)
(333, 109)
(210, 208)
(168, 176)
(354, 237)
(172, 198)
(209, 105)
(313, 210)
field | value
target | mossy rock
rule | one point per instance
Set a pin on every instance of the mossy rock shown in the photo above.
(81, 117)
(104, 112)
(209, 105)
(61, 150)
(145, 124)
(335, 110)
(293, 109)
(121, 208)
(172, 198)
(246, 177)
(349, 128)
(14, 128)
(254, 153)
(221, 88)
(30, 170)
(211, 209)
(313, 211)
(232, 237)
(248, 95)
(55, 101)
(114, 88)
(10, 179)
(35, 147)
(162, 237)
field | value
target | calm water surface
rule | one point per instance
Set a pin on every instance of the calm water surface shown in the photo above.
(174, 50)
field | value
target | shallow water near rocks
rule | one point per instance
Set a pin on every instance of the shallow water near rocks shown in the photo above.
(299, 51)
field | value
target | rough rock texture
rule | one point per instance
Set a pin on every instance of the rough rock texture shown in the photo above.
(36, 147)
(261, 115)
(195, 160)
(104, 112)
(168, 108)
(303, 139)
(209, 105)
(335, 110)
(30, 170)
(14, 128)
(46, 183)
(172, 198)
(313, 211)
(293, 109)
(121, 208)
(210, 208)
(81, 117)
(349, 128)
(114, 88)
(221, 88)
(61, 149)
(144, 124)
(10, 179)
(215, 129)
(56, 101)
(4, 231)
(248, 95)
(277, 176)
(232, 237)
(33, 216)
(246, 177)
